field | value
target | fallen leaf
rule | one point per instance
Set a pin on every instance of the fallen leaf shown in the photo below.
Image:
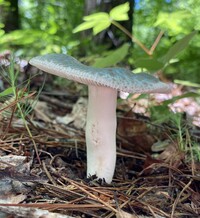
(77, 116)
(135, 131)
(42, 111)
(172, 155)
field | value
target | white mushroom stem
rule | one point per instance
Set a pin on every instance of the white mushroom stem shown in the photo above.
(101, 132)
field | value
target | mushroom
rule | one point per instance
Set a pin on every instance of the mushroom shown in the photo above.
(103, 84)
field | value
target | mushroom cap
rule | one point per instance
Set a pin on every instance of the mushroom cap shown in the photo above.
(117, 78)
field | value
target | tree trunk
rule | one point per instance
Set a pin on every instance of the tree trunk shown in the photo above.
(9, 16)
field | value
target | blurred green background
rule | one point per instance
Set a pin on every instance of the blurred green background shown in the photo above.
(33, 27)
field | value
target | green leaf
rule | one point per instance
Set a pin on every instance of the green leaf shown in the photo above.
(150, 64)
(160, 114)
(178, 47)
(101, 20)
(120, 12)
(96, 17)
(186, 95)
(113, 57)
(100, 26)
(98, 21)
(19, 37)
(187, 83)
(2, 32)
(84, 26)
(53, 28)
(2, 25)
(170, 22)
(6, 92)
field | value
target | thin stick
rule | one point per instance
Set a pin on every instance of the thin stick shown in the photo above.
(156, 42)
(48, 174)
(160, 212)
(90, 194)
(178, 198)
(118, 25)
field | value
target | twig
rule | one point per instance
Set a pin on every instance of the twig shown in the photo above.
(162, 213)
(56, 206)
(131, 36)
(153, 47)
(178, 197)
(119, 207)
(48, 174)
(90, 194)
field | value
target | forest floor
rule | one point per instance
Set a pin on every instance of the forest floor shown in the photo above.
(43, 172)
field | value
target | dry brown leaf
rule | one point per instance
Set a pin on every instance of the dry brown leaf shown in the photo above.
(130, 126)
(172, 155)
(135, 131)
(14, 177)
(78, 114)
(42, 111)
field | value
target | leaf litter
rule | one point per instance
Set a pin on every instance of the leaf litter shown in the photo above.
(153, 177)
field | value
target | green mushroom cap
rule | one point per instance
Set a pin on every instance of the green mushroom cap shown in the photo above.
(117, 78)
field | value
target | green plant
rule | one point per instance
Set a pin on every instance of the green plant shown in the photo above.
(17, 98)
(179, 129)
(46, 27)
(101, 21)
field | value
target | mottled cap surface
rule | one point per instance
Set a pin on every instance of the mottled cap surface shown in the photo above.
(117, 78)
